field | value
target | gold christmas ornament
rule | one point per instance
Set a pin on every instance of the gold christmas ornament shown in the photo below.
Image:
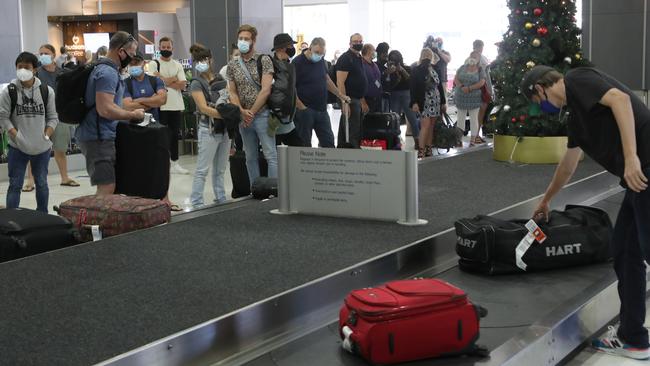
(536, 42)
(578, 56)
(530, 64)
(528, 25)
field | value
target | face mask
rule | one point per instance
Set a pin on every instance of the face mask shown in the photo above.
(291, 52)
(244, 46)
(45, 60)
(316, 57)
(202, 67)
(126, 61)
(24, 74)
(548, 107)
(471, 62)
(440, 45)
(357, 47)
(135, 71)
(166, 53)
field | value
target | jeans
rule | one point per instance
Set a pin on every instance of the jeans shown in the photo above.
(631, 252)
(374, 104)
(354, 123)
(214, 150)
(253, 136)
(17, 165)
(291, 138)
(311, 119)
(400, 101)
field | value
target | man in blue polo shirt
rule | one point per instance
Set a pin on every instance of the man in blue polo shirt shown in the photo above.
(139, 89)
(313, 83)
(104, 91)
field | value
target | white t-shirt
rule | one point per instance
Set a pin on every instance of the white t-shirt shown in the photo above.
(170, 69)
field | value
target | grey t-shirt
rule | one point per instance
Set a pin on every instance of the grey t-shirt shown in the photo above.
(49, 78)
(202, 85)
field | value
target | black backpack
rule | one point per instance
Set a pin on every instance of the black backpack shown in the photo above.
(13, 96)
(282, 100)
(70, 96)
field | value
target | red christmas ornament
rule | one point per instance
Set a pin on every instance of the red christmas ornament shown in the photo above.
(538, 12)
(514, 120)
(542, 31)
(522, 118)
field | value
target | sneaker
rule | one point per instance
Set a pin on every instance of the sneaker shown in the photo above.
(178, 169)
(613, 345)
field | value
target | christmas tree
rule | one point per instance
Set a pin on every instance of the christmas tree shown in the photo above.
(541, 32)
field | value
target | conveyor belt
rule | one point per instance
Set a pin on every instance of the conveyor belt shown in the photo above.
(514, 303)
(89, 303)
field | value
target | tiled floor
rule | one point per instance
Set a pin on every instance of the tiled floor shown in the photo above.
(180, 185)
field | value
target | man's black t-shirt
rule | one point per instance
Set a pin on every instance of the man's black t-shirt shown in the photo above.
(356, 82)
(592, 126)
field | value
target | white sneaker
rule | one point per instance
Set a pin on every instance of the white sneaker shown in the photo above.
(613, 345)
(178, 169)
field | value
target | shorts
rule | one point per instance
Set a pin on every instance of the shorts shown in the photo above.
(61, 137)
(100, 161)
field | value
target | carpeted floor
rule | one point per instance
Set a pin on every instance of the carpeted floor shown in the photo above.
(93, 302)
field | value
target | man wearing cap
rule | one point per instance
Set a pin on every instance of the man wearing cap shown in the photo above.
(612, 125)
(283, 51)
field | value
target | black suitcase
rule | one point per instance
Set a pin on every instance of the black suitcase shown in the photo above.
(577, 236)
(265, 187)
(382, 126)
(27, 232)
(241, 186)
(142, 160)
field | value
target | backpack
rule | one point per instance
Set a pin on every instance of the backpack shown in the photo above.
(331, 71)
(70, 96)
(13, 96)
(282, 100)
(129, 84)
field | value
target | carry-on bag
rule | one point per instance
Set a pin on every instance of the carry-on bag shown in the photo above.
(446, 135)
(98, 217)
(241, 186)
(264, 187)
(410, 320)
(382, 126)
(579, 235)
(142, 160)
(26, 232)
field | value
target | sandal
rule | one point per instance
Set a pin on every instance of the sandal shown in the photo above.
(70, 183)
(28, 188)
(478, 140)
(420, 153)
(175, 208)
(428, 151)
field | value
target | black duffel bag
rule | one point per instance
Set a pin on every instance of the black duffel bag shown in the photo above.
(264, 187)
(577, 236)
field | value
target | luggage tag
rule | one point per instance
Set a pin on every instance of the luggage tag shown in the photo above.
(534, 234)
(97, 234)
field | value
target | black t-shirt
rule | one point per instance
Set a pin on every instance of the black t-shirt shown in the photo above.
(592, 126)
(356, 82)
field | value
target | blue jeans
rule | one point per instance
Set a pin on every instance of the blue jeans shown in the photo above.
(311, 119)
(213, 153)
(17, 165)
(252, 137)
(631, 243)
(400, 101)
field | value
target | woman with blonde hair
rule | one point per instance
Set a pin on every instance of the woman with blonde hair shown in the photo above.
(427, 98)
(469, 80)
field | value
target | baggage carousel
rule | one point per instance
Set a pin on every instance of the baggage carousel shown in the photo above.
(235, 285)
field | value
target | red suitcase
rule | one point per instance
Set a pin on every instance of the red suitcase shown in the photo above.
(410, 320)
(114, 214)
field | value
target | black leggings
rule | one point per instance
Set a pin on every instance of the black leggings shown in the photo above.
(172, 119)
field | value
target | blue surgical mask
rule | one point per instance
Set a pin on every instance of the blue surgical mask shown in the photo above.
(244, 46)
(316, 57)
(135, 71)
(202, 67)
(548, 107)
(45, 60)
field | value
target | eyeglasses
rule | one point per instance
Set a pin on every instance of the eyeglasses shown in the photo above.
(128, 40)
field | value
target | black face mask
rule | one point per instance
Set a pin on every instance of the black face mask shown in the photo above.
(126, 61)
(166, 53)
(291, 51)
(357, 47)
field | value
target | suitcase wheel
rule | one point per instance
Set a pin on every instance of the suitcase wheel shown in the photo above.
(480, 351)
(481, 311)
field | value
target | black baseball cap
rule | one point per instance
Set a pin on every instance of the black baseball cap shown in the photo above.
(282, 40)
(138, 56)
(531, 78)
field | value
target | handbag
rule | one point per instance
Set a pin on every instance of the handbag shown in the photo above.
(485, 95)
(446, 134)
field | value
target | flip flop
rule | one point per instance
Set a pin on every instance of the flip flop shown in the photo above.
(28, 188)
(175, 208)
(70, 183)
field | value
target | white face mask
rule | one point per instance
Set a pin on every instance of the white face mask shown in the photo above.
(24, 74)
(471, 62)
